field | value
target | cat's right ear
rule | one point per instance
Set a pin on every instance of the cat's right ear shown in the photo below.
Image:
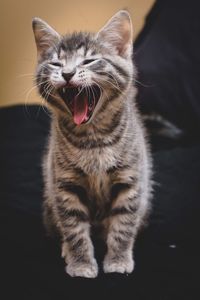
(117, 34)
(45, 36)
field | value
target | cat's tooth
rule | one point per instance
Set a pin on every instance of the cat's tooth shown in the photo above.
(64, 90)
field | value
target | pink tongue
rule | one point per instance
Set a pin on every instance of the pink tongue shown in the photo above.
(80, 110)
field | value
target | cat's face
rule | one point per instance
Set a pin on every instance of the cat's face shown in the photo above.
(78, 73)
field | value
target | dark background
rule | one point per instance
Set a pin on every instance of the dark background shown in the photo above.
(167, 254)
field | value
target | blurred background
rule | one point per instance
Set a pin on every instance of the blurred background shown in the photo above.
(18, 52)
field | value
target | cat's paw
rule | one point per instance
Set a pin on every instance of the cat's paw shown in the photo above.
(89, 270)
(125, 265)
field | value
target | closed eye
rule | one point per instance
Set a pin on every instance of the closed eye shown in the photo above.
(88, 61)
(56, 64)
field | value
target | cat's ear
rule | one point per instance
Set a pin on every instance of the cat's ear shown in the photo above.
(117, 33)
(45, 36)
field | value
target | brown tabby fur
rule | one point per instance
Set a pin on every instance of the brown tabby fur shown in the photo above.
(97, 174)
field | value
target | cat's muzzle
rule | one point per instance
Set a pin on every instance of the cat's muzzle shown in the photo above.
(81, 101)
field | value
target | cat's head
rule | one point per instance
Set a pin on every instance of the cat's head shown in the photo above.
(78, 73)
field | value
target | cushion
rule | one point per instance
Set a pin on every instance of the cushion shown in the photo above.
(167, 55)
(166, 252)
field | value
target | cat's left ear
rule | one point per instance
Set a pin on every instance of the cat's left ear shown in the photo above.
(45, 36)
(117, 33)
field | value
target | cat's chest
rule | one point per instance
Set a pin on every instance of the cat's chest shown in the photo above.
(99, 186)
(98, 189)
(96, 161)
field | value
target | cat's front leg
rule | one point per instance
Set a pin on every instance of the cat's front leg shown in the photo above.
(123, 223)
(77, 248)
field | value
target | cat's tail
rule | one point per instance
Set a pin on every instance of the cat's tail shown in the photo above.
(157, 125)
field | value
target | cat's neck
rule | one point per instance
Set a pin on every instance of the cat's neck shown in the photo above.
(105, 121)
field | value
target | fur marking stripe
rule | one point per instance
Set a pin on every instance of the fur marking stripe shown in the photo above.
(117, 67)
(75, 246)
(75, 213)
(121, 210)
(119, 188)
(75, 189)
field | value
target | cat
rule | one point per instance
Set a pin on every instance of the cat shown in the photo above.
(97, 169)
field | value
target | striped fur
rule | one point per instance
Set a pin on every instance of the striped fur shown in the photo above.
(98, 173)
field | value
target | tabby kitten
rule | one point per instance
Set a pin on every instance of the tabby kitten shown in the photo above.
(97, 168)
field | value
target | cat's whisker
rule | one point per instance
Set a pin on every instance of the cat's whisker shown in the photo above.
(43, 105)
(30, 75)
(109, 82)
(102, 90)
(50, 92)
(41, 96)
(111, 76)
(26, 75)
(29, 92)
(45, 94)
(115, 87)
(80, 89)
(48, 89)
(91, 94)
(87, 88)
(92, 90)
(142, 84)
(44, 110)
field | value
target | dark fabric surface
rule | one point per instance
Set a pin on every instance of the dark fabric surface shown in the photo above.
(167, 251)
(167, 54)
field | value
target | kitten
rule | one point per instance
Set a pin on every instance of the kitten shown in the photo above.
(97, 169)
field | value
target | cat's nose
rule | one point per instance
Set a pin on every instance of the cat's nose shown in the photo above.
(68, 75)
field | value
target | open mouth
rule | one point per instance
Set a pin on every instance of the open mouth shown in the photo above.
(80, 101)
